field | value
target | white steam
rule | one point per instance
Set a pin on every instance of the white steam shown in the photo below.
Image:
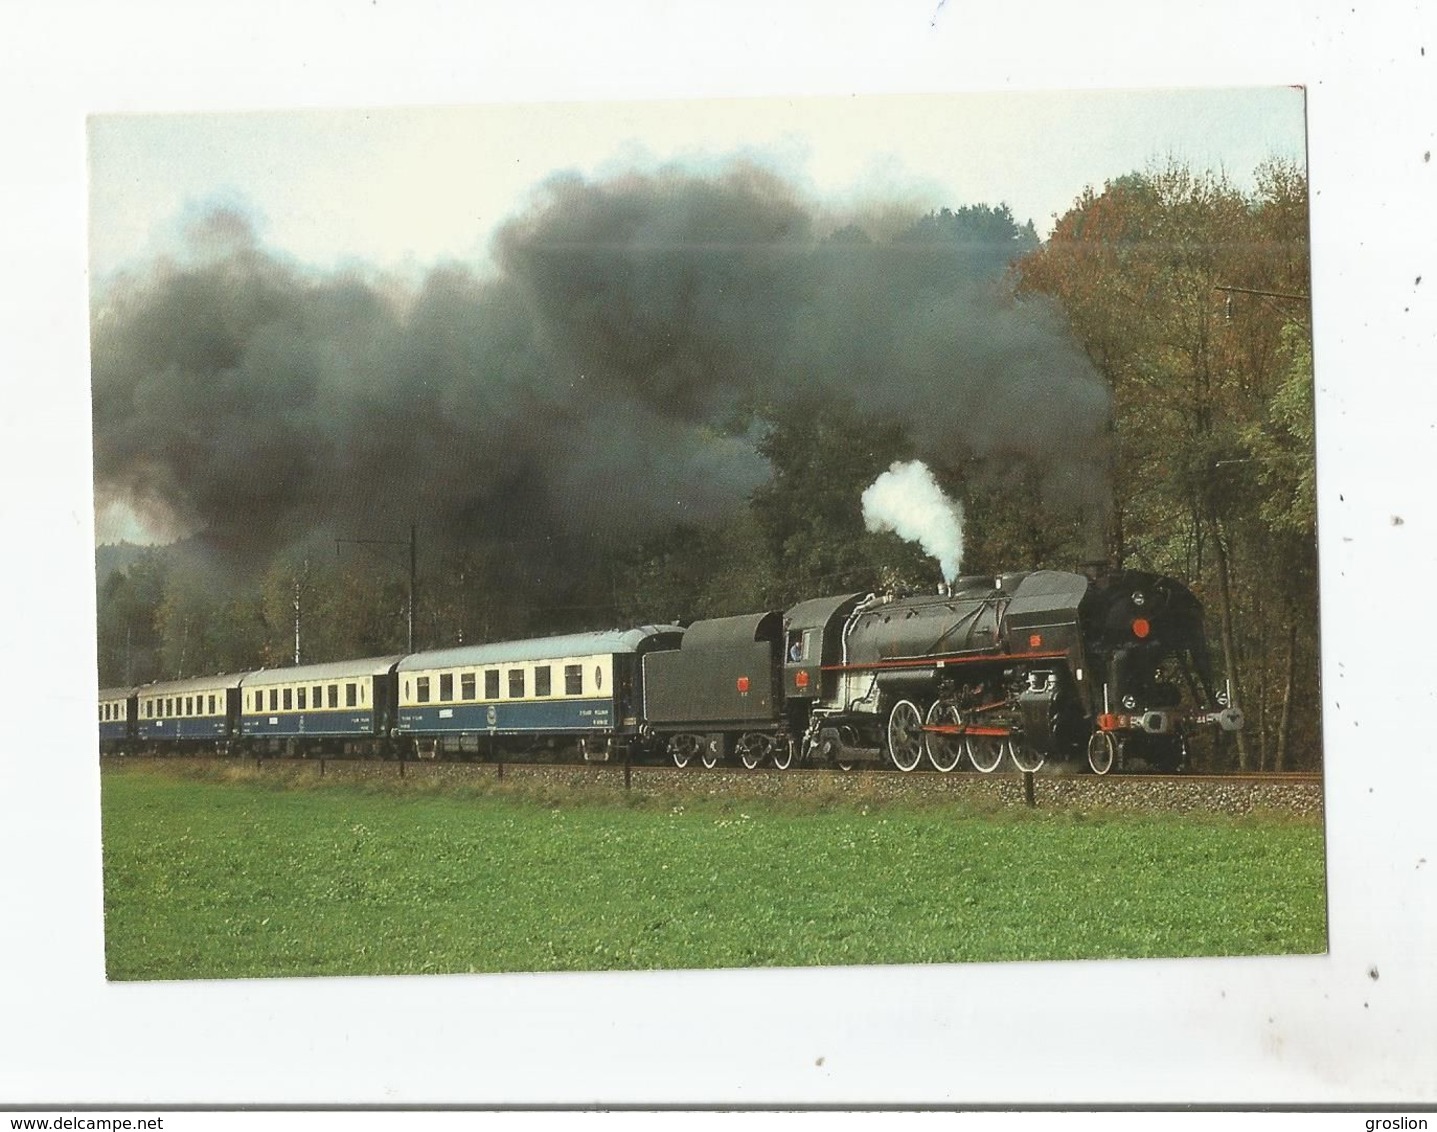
(907, 500)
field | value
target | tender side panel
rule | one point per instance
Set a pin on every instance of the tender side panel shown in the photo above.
(725, 676)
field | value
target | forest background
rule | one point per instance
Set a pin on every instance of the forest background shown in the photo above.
(1186, 297)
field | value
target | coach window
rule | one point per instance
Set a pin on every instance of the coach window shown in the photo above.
(189, 705)
(287, 696)
(466, 686)
(317, 699)
(212, 705)
(491, 684)
(421, 689)
(543, 681)
(573, 679)
(516, 683)
(351, 694)
(334, 695)
(300, 698)
(446, 686)
(274, 699)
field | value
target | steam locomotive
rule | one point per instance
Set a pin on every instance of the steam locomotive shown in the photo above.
(1023, 667)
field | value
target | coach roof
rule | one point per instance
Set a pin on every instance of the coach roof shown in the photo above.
(309, 673)
(191, 684)
(539, 648)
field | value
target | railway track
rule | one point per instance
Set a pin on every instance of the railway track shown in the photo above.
(1051, 789)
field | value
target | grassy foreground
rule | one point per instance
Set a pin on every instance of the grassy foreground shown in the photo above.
(222, 879)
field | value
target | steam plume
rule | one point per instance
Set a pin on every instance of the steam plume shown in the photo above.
(907, 500)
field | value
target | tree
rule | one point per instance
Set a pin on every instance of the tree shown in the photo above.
(1157, 274)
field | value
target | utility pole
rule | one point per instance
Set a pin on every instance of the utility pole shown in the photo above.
(413, 544)
(299, 579)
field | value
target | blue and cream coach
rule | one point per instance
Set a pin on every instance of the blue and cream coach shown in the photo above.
(203, 710)
(117, 719)
(344, 702)
(584, 686)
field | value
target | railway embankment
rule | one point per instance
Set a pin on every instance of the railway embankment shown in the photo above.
(1049, 789)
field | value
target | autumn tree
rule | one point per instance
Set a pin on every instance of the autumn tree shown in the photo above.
(1187, 293)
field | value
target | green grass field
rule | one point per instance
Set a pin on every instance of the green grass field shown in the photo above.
(224, 879)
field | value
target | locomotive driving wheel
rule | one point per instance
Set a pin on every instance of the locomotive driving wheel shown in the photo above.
(944, 748)
(1102, 750)
(1024, 757)
(783, 753)
(985, 752)
(905, 735)
(712, 752)
(753, 748)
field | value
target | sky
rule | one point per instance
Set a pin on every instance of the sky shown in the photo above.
(402, 189)
(1261, 1030)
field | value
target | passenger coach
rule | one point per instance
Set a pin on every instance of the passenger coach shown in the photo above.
(189, 714)
(117, 719)
(342, 707)
(483, 699)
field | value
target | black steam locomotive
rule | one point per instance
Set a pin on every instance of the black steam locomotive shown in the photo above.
(1027, 667)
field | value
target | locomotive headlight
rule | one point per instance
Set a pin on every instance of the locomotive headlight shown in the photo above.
(1139, 598)
(1130, 702)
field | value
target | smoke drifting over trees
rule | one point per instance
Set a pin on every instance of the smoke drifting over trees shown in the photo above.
(614, 376)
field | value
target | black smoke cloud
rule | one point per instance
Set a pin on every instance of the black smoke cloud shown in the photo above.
(590, 388)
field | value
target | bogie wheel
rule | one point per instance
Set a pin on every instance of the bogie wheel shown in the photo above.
(682, 748)
(1024, 757)
(783, 753)
(985, 752)
(753, 749)
(905, 735)
(1102, 751)
(944, 750)
(712, 752)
